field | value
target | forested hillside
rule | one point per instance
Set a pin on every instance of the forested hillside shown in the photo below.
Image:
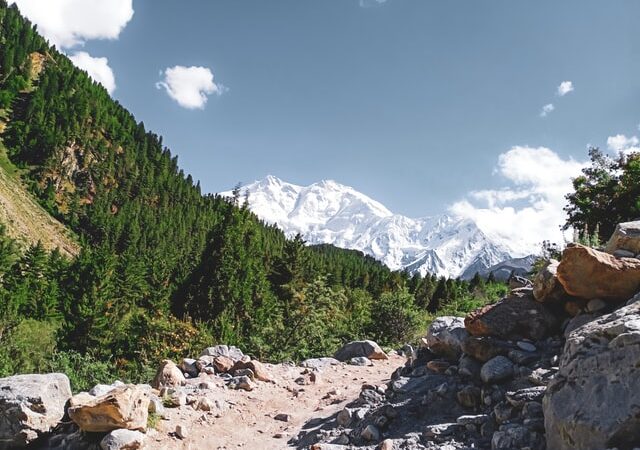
(163, 269)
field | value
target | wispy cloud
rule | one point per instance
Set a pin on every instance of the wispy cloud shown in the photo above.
(547, 109)
(564, 88)
(189, 86)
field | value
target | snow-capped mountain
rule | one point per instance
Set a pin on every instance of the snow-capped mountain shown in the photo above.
(332, 213)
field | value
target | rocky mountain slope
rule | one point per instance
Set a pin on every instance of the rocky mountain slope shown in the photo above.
(329, 212)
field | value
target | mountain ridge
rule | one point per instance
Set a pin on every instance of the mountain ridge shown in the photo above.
(330, 212)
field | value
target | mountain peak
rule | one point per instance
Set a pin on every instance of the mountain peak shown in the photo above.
(328, 212)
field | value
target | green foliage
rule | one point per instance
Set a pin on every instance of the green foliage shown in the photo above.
(27, 347)
(607, 193)
(84, 370)
(401, 319)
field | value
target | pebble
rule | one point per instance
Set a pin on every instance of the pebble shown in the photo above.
(526, 346)
(182, 431)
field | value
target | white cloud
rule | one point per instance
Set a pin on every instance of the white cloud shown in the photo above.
(68, 23)
(547, 109)
(564, 88)
(97, 68)
(371, 3)
(623, 144)
(189, 86)
(530, 208)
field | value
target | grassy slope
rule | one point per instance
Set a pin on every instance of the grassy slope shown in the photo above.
(25, 219)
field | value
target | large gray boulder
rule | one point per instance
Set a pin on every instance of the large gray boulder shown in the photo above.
(31, 405)
(625, 237)
(368, 349)
(594, 401)
(446, 335)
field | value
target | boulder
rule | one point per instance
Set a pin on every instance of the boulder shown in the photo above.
(224, 350)
(592, 403)
(168, 375)
(588, 273)
(259, 370)
(223, 364)
(122, 439)
(625, 237)
(546, 286)
(445, 336)
(124, 407)
(368, 349)
(30, 406)
(189, 367)
(514, 317)
(496, 370)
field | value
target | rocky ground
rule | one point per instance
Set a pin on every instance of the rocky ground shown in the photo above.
(553, 365)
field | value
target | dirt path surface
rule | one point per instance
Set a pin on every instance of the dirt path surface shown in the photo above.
(249, 419)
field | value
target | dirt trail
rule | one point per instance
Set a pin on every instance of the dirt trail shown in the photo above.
(249, 420)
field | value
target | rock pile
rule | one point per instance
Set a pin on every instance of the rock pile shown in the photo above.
(554, 365)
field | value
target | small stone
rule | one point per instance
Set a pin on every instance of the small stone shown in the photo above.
(189, 367)
(360, 361)
(623, 254)
(243, 382)
(370, 433)
(182, 431)
(469, 397)
(205, 404)
(282, 417)
(477, 419)
(596, 305)
(526, 346)
(245, 373)
(207, 385)
(387, 444)
(344, 417)
(438, 365)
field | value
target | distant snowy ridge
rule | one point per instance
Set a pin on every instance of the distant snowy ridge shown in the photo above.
(328, 212)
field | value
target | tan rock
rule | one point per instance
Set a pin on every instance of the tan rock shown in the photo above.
(124, 407)
(223, 364)
(259, 371)
(168, 375)
(546, 286)
(515, 316)
(588, 273)
(625, 237)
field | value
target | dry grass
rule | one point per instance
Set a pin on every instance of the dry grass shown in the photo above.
(26, 221)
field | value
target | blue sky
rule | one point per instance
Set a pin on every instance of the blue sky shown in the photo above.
(426, 106)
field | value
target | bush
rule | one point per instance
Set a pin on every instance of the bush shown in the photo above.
(28, 347)
(396, 318)
(84, 371)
